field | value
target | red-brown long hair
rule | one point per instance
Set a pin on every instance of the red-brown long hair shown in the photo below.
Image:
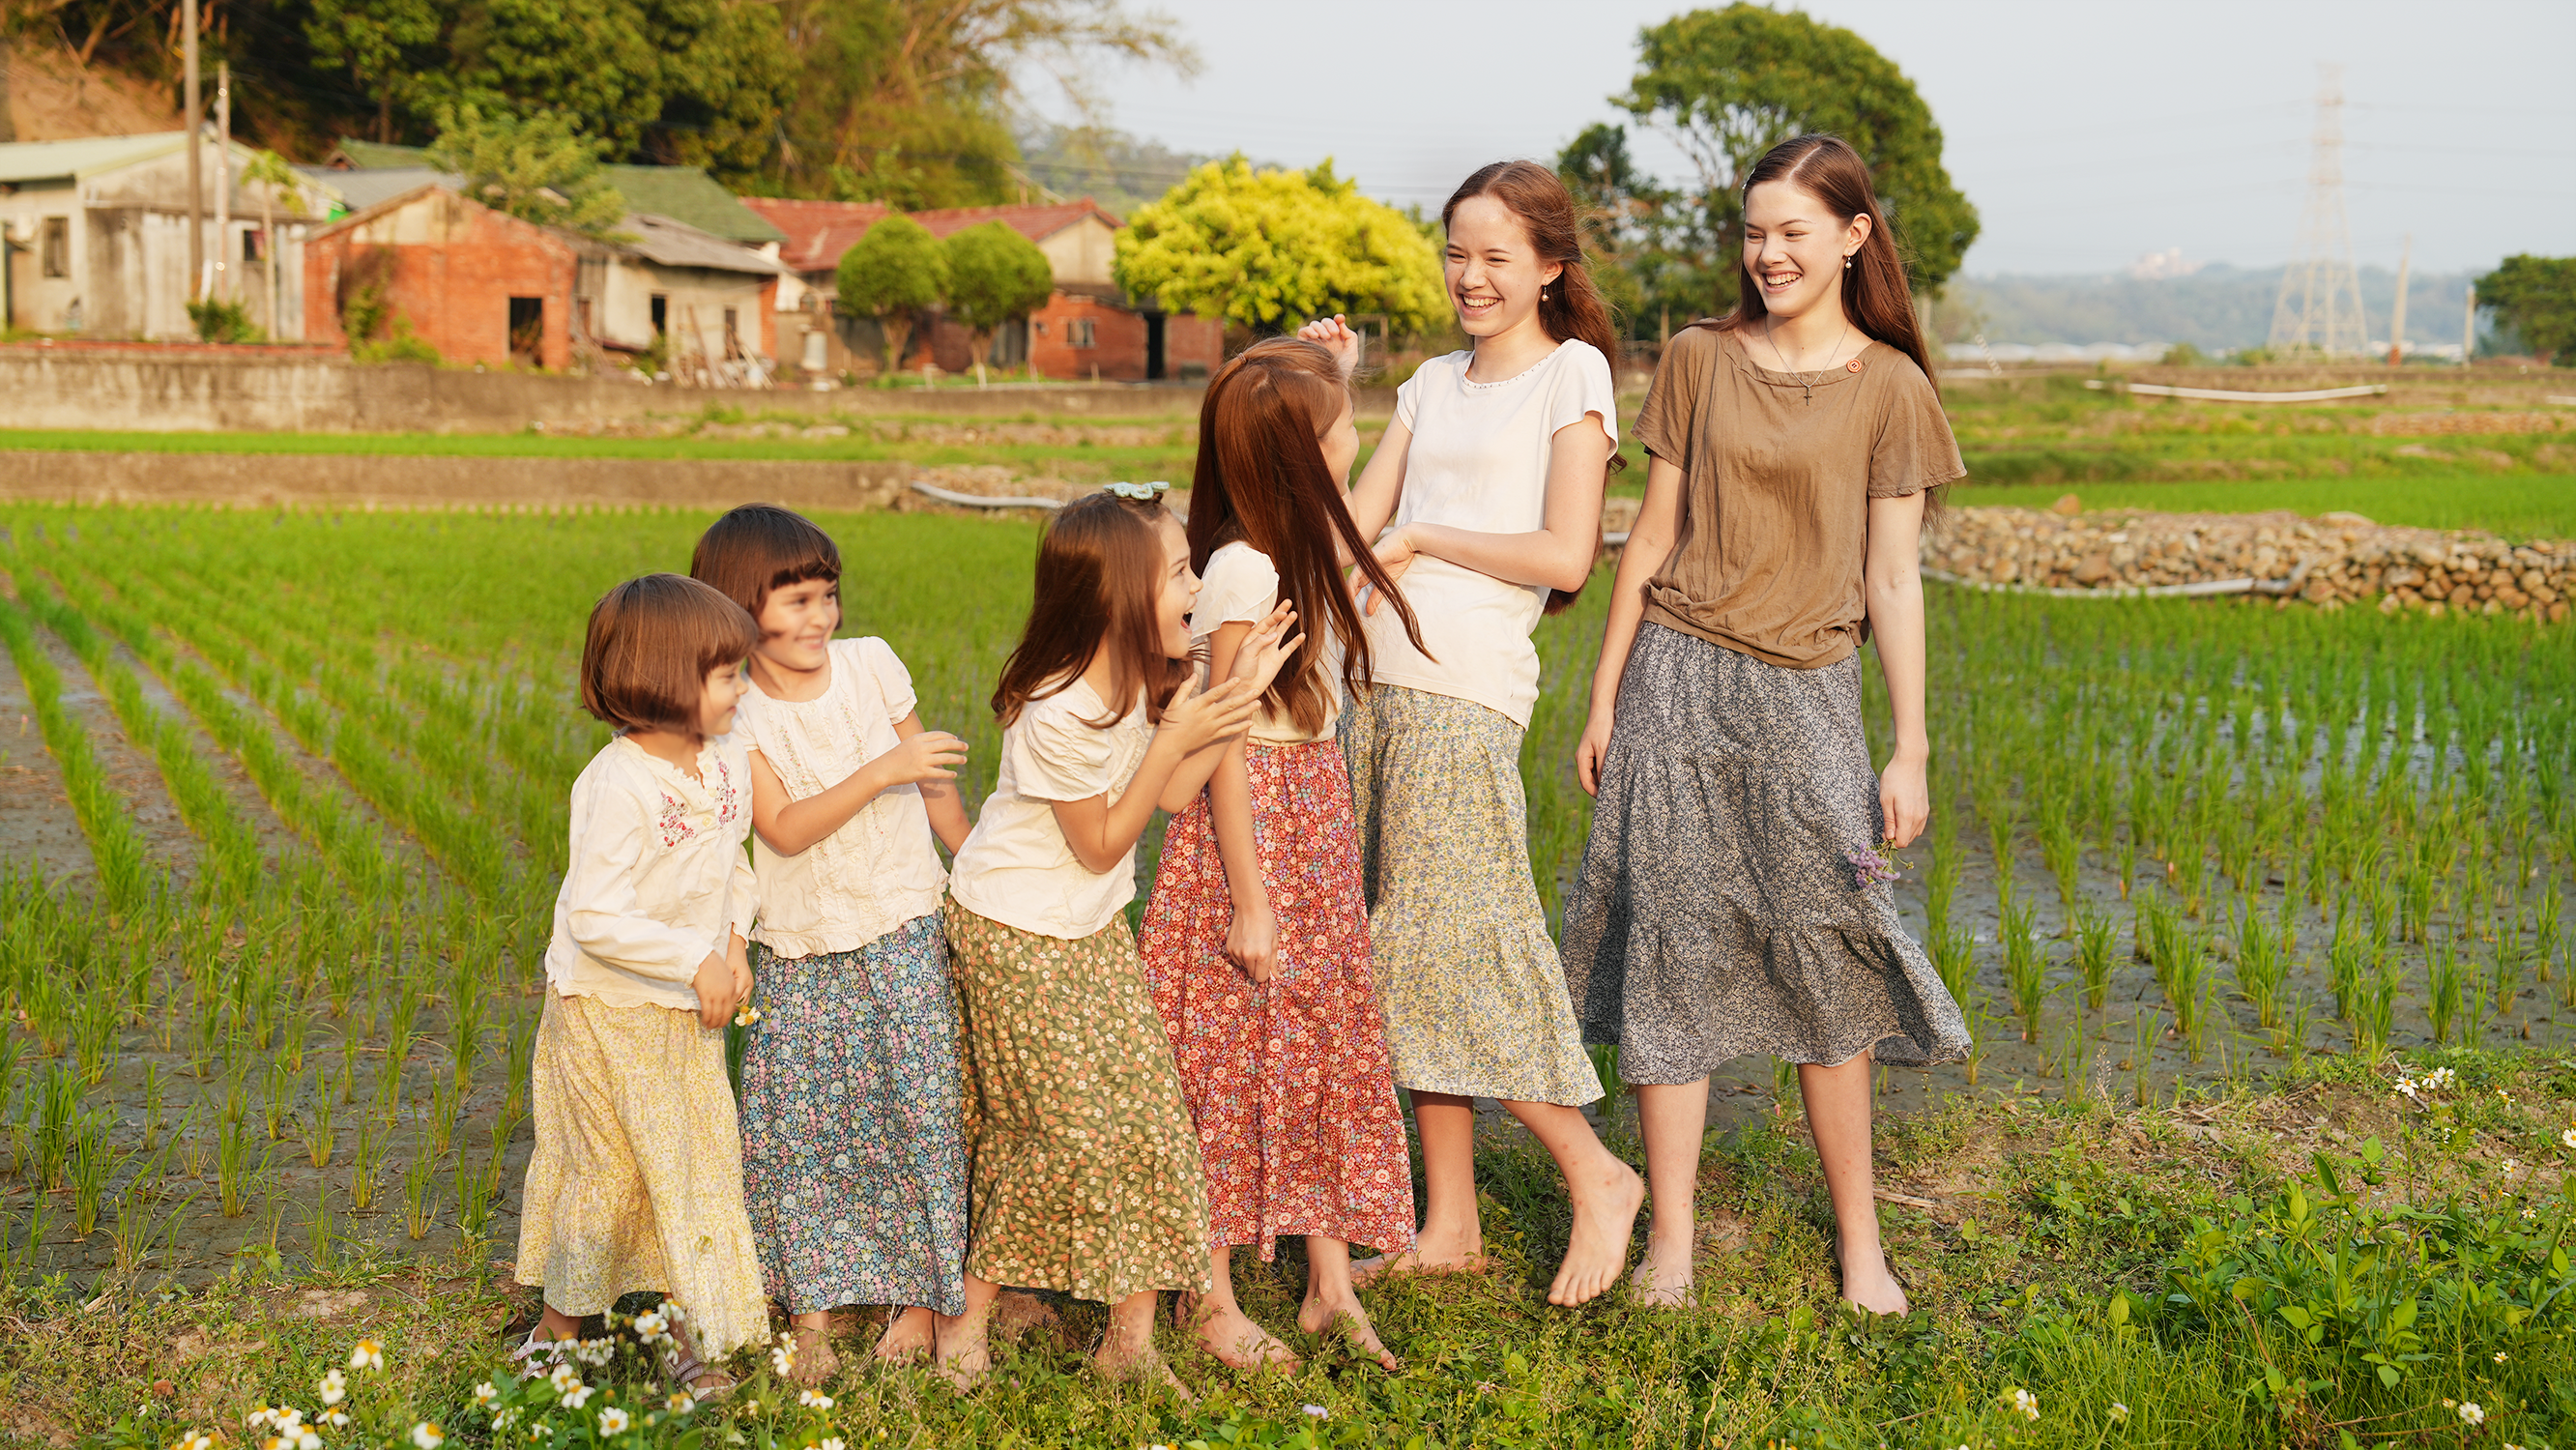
(1572, 306)
(1875, 295)
(1099, 587)
(1262, 481)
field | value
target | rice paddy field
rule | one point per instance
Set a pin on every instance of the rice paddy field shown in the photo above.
(2258, 913)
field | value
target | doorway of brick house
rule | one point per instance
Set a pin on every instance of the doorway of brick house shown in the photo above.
(528, 331)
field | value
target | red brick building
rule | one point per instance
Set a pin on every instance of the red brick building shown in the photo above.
(472, 282)
(1087, 329)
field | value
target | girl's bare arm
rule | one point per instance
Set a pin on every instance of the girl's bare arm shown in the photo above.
(1650, 543)
(1559, 554)
(1893, 588)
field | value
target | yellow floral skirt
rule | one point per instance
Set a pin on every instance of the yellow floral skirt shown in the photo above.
(636, 1182)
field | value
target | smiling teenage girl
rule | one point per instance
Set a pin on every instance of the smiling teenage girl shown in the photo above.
(1719, 912)
(853, 1161)
(1086, 1174)
(636, 1181)
(1492, 472)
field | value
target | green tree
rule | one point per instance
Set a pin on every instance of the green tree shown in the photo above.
(538, 169)
(895, 273)
(910, 102)
(385, 48)
(994, 275)
(2537, 296)
(1728, 85)
(1641, 237)
(1272, 250)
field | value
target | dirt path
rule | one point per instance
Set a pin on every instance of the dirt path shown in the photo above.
(36, 822)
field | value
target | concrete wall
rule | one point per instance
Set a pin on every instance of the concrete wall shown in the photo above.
(273, 480)
(188, 391)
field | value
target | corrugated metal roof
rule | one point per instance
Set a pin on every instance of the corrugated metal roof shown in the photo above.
(677, 244)
(49, 160)
(359, 190)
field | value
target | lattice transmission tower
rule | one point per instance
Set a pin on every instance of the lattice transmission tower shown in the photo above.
(2319, 311)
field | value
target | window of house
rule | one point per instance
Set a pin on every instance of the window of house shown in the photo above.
(732, 334)
(57, 246)
(661, 314)
(1078, 332)
(251, 243)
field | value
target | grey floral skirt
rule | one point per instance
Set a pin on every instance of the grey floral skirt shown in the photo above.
(1717, 913)
(1467, 976)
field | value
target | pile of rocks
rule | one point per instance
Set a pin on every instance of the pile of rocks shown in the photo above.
(2330, 561)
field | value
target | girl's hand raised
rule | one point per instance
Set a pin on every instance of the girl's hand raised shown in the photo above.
(1197, 719)
(1338, 339)
(930, 755)
(1265, 651)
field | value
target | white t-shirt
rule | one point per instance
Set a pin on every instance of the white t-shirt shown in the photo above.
(1241, 586)
(879, 870)
(1016, 867)
(656, 881)
(1478, 461)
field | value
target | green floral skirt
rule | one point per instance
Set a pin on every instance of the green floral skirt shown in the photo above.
(1084, 1169)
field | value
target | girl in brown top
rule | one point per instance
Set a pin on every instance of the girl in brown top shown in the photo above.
(1730, 900)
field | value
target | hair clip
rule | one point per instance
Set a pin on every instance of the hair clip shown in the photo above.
(1140, 492)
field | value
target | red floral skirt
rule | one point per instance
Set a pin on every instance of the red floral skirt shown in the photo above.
(1288, 1082)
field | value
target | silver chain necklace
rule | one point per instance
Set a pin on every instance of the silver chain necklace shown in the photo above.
(1806, 381)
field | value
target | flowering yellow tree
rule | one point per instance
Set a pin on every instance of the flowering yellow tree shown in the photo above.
(1276, 249)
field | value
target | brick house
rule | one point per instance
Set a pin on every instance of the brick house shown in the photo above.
(485, 287)
(1087, 329)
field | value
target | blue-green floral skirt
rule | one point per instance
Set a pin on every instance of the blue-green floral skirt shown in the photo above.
(853, 1151)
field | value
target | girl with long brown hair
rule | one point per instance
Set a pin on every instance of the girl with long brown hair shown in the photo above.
(1083, 1171)
(1492, 473)
(1732, 899)
(1256, 941)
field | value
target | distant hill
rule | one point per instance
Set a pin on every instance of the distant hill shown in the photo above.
(2215, 308)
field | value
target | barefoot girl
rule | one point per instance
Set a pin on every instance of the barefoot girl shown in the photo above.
(1720, 911)
(853, 1161)
(636, 1182)
(1256, 941)
(1493, 471)
(1086, 1175)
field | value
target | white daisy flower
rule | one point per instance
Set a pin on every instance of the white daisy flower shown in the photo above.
(428, 1436)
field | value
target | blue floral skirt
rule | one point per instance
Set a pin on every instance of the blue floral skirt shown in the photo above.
(853, 1150)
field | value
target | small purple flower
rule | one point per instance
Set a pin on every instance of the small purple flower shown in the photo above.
(1869, 868)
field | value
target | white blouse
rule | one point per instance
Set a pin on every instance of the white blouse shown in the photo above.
(1241, 586)
(657, 880)
(1017, 868)
(879, 870)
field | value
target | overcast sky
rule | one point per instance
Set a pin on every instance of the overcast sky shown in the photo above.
(2087, 133)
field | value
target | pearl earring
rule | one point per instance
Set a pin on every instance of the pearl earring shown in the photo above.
(1846, 264)
(1542, 294)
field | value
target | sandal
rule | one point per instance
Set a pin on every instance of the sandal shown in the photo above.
(541, 1353)
(701, 1380)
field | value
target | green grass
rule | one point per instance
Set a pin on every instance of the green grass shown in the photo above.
(2515, 505)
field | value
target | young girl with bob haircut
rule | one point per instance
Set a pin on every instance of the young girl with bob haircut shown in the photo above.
(1256, 941)
(1727, 903)
(1492, 472)
(1085, 1174)
(852, 1104)
(636, 1181)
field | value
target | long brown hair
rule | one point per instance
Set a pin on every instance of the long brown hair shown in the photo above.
(1571, 306)
(1262, 481)
(1875, 295)
(651, 643)
(1099, 587)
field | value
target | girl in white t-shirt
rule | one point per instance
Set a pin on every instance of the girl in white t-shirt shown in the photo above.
(1256, 942)
(1492, 473)
(854, 1160)
(636, 1181)
(1086, 1173)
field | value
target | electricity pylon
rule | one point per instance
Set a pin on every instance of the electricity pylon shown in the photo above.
(2319, 311)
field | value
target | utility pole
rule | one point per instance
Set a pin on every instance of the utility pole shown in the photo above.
(194, 102)
(2469, 328)
(223, 288)
(2319, 311)
(2397, 315)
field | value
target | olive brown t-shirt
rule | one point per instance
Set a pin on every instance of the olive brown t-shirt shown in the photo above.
(1778, 471)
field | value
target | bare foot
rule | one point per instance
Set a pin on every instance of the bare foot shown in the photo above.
(964, 1354)
(1225, 1332)
(1605, 1209)
(1663, 1276)
(1869, 1286)
(1345, 1317)
(813, 1361)
(907, 1336)
(1434, 1252)
(1138, 1364)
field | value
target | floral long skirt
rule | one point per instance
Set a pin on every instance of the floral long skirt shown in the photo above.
(1287, 1081)
(1085, 1171)
(1467, 974)
(1719, 912)
(636, 1181)
(853, 1147)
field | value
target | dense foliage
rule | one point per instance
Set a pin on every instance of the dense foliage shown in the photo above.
(1272, 249)
(994, 276)
(895, 274)
(539, 169)
(2537, 296)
